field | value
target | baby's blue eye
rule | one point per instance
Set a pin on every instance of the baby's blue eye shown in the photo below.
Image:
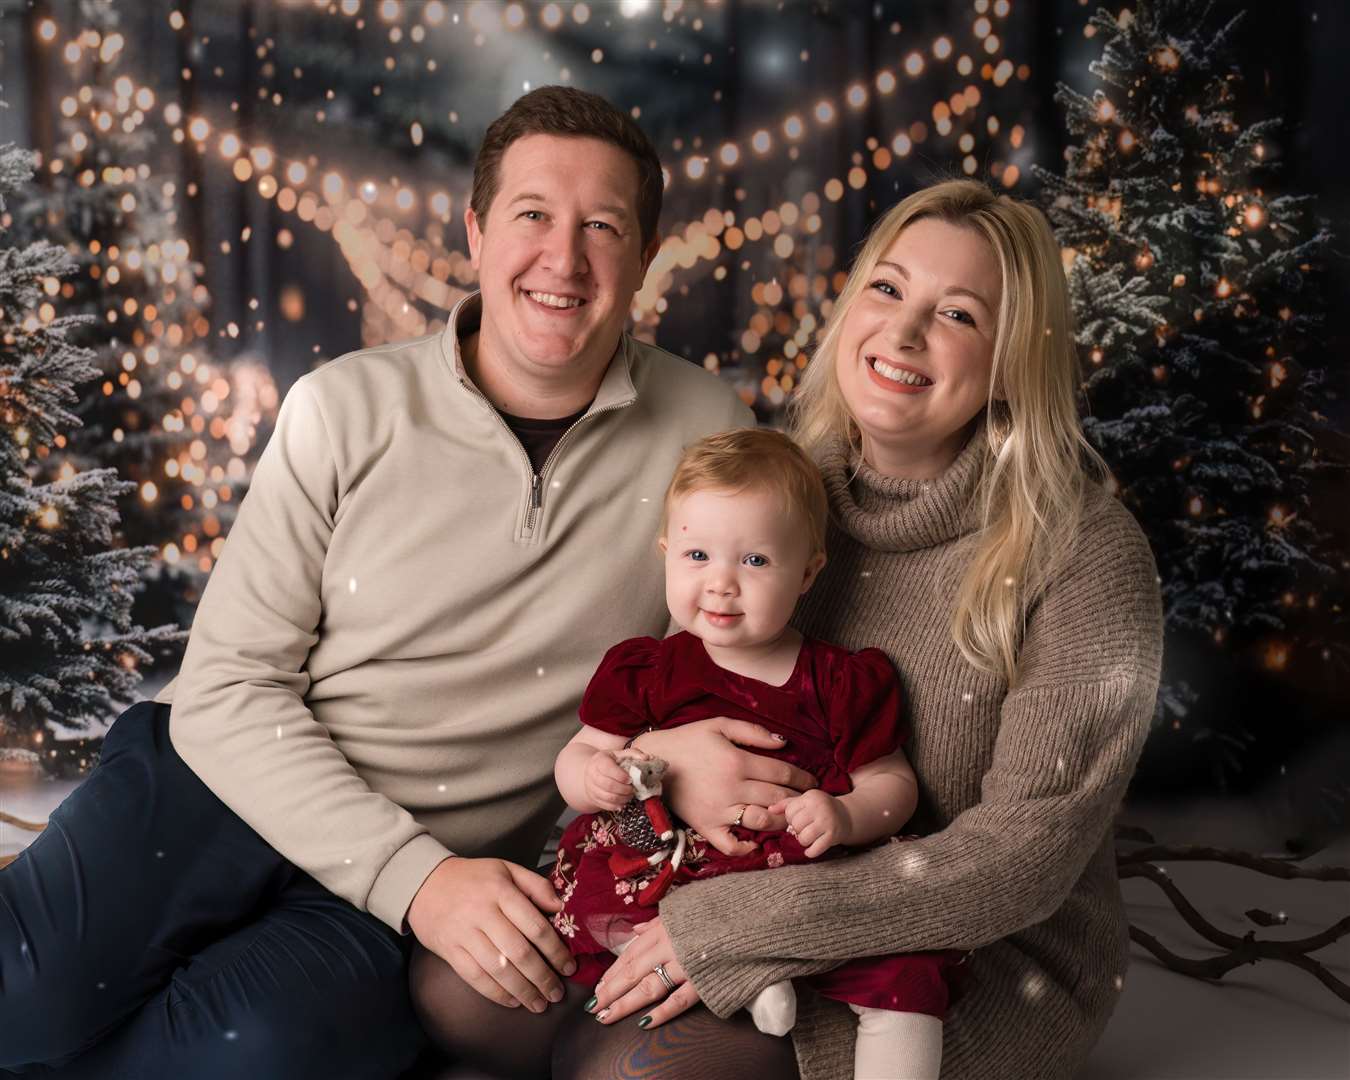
(755, 560)
(698, 556)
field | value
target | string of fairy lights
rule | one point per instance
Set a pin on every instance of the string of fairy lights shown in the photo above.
(392, 233)
(162, 335)
(401, 272)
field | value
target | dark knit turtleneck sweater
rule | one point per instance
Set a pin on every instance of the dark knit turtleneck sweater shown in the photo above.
(1018, 789)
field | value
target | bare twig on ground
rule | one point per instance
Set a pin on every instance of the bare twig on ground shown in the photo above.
(1248, 948)
(19, 823)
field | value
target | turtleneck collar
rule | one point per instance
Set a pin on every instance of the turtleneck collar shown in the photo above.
(888, 513)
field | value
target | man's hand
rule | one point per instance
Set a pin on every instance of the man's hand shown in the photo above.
(710, 779)
(607, 785)
(485, 918)
(817, 820)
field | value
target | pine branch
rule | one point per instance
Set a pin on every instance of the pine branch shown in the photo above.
(1248, 948)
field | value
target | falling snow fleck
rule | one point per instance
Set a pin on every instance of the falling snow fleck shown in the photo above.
(539, 671)
(351, 585)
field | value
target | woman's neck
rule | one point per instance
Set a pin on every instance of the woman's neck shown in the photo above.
(910, 461)
(770, 662)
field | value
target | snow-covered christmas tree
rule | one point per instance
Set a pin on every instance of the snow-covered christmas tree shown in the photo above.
(165, 414)
(69, 650)
(1197, 297)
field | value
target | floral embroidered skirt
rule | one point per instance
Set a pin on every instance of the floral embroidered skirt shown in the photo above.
(600, 911)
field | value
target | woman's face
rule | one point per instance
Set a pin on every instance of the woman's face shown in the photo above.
(917, 346)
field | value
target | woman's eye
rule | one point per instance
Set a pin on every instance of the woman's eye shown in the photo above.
(886, 287)
(756, 560)
(960, 316)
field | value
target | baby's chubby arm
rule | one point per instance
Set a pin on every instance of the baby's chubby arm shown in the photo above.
(588, 774)
(884, 796)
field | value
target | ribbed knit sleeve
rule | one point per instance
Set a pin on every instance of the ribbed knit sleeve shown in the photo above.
(239, 717)
(1069, 734)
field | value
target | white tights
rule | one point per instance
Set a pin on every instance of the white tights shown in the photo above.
(890, 1045)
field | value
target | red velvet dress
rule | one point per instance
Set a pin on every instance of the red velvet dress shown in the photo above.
(838, 711)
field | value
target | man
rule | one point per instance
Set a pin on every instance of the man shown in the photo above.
(439, 543)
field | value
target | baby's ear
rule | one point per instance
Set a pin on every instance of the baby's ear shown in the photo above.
(813, 568)
(661, 543)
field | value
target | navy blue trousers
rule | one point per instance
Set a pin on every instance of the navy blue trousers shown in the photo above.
(149, 932)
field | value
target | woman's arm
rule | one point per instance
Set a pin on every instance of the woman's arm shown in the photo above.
(1069, 736)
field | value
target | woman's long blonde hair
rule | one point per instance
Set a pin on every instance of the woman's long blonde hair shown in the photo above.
(1030, 495)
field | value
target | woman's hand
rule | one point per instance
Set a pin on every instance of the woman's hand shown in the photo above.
(632, 984)
(710, 780)
(608, 786)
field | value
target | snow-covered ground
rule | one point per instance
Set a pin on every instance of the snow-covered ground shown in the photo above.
(1266, 1022)
(30, 797)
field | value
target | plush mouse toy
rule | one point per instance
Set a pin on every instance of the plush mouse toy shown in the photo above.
(646, 831)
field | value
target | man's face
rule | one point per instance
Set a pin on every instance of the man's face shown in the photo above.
(559, 256)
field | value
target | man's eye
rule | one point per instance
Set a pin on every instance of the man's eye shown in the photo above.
(600, 225)
(533, 215)
(755, 560)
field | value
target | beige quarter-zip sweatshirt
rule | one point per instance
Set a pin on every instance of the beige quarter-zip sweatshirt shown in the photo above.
(393, 644)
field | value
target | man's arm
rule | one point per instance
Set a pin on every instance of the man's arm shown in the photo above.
(239, 717)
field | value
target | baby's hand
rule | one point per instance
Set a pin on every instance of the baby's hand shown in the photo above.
(819, 821)
(607, 785)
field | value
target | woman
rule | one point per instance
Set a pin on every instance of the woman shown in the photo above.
(1019, 602)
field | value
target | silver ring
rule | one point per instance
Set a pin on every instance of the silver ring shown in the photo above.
(737, 823)
(661, 974)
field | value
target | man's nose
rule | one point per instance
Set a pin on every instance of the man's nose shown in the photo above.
(565, 251)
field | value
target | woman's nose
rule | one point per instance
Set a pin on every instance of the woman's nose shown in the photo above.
(907, 329)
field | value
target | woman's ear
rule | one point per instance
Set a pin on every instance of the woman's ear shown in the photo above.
(812, 569)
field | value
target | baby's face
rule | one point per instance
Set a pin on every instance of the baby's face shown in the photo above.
(736, 562)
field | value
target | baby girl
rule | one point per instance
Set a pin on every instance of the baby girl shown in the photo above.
(743, 535)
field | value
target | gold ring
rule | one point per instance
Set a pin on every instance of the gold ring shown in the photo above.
(664, 976)
(737, 823)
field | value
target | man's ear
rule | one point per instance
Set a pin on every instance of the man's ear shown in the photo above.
(475, 231)
(649, 253)
(813, 568)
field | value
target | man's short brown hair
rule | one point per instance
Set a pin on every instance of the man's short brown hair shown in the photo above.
(569, 112)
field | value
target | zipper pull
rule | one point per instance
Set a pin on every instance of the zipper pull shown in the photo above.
(536, 497)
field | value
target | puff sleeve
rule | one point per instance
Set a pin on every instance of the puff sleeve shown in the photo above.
(865, 709)
(618, 698)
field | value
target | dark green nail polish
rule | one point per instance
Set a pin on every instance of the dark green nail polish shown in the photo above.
(591, 1004)
(644, 1022)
